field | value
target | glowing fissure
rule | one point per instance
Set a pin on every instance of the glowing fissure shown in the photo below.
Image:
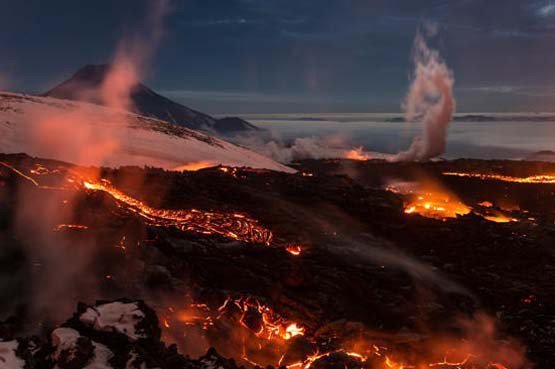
(268, 329)
(231, 225)
(540, 178)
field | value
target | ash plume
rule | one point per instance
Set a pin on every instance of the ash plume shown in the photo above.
(430, 101)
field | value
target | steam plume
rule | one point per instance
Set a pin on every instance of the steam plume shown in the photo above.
(430, 101)
(327, 147)
(132, 57)
(66, 270)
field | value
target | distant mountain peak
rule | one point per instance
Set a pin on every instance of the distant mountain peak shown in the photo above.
(93, 72)
(84, 84)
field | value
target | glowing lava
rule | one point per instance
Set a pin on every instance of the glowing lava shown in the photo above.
(62, 227)
(194, 166)
(233, 225)
(294, 250)
(499, 218)
(542, 178)
(357, 154)
(437, 205)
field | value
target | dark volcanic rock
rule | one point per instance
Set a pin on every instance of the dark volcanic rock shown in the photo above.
(365, 264)
(75, 346)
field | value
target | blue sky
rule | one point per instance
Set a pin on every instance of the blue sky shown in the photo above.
(247, 56)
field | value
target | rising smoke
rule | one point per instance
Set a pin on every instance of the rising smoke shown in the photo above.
(301, 148)
(58, 134)
(66, 270)
(132, 58)
(430, 101)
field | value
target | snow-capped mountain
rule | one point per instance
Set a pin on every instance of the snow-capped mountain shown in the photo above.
(83, 84)
(90, 134)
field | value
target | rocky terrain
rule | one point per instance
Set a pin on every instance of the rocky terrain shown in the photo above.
(327, 267)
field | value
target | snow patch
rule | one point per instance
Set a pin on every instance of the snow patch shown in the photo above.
(8, 357)
(46, 127)
(115, 317)
(65, 340)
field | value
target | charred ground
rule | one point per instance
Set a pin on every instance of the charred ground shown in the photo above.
(366, 267)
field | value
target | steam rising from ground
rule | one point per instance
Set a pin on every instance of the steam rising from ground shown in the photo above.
(60, 134)
(65, 268)
(131, 59)
(430, 100)
(328, 147)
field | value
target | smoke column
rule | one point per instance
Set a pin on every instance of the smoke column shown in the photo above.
(67, 273)
(132, 57)
(430, 101)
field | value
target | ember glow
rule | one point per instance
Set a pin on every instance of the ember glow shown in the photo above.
(499, 218)
(194, 166)
(357, 154)
(268, 334)
(433, 201)
(62, 227)
(294, 250)
(541, 178)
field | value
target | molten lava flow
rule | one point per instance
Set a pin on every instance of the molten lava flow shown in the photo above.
(541, 178)
(231, 225)
(194, 166)
(357, 154)
(235, 226)
(261, 326)
(271, 335)
(267, 335)
(437, 205)
(294, 250)
(270, 325)
(499, 218)
(62, 227)
(435, 202)
(18, 172)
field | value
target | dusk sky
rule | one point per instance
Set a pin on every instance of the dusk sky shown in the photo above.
(272, 56)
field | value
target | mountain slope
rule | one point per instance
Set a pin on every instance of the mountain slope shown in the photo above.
(84, 84)
(89, 134)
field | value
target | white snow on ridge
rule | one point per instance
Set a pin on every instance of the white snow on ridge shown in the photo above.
(89, 134)
(115, 317)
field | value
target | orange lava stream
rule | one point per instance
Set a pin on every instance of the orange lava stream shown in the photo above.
(15, 170)
(233, 225)
(61, 227)
(499, 218)
(542, 178)
(197, 165)
(294, 250)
